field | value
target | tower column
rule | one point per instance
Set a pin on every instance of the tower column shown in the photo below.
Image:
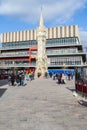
(41, 60)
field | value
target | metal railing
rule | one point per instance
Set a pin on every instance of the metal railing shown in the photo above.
(47, 45)
(34, 65)
(18, 65)
(49, 53)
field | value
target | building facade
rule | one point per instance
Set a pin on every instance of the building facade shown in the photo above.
(63, 48)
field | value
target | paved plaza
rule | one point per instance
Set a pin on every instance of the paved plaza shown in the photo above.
(41, 105)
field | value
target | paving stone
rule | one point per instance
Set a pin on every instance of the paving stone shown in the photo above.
(41, 105)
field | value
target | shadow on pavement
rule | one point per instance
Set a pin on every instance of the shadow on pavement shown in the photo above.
(2, 91)
(71, 89)
(3, 82)
(83, 103)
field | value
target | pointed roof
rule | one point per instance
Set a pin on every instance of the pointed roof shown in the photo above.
(41, 19)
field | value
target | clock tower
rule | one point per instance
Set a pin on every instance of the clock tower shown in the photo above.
(41, 60)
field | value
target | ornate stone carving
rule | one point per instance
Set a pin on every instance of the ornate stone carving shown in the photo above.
(41, 60)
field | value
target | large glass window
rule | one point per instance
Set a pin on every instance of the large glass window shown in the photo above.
(62, 51)
(19, 44)
(62, 41)
(76, 60)
(15, 53)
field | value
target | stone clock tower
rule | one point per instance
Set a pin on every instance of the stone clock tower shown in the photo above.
(41, 60)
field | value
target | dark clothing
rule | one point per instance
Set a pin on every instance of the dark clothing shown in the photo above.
(39, 74)
(17, 79)
(59, 78)
(20, 78)
(50, 74)
(45, 74)
(12, 79)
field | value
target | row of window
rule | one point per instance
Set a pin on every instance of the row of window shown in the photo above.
(63, 40)
(68, 50)
(65, 59)
(52, 63)
(17, 63)
(51, 42)
(15, 53)
(16, 44)
(66, 63)
(69, 61)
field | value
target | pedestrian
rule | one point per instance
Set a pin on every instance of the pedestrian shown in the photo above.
(12, 79)
(17, 80)
(45, 74)
(22, 80)
(63, 79)
(59, 79)
(9, 80)
(54, 76)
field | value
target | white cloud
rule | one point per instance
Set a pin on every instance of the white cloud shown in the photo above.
(57, 11)
(29, 10)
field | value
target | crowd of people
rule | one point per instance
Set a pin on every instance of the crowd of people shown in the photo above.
(61, 77)
(20, 78)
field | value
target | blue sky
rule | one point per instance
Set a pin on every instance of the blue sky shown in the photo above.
(18, 15)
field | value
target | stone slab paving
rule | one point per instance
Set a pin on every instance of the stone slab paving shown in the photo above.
(41, 105)
(3, 82)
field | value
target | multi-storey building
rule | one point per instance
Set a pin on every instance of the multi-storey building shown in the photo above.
(63, 48)
(85, 48)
